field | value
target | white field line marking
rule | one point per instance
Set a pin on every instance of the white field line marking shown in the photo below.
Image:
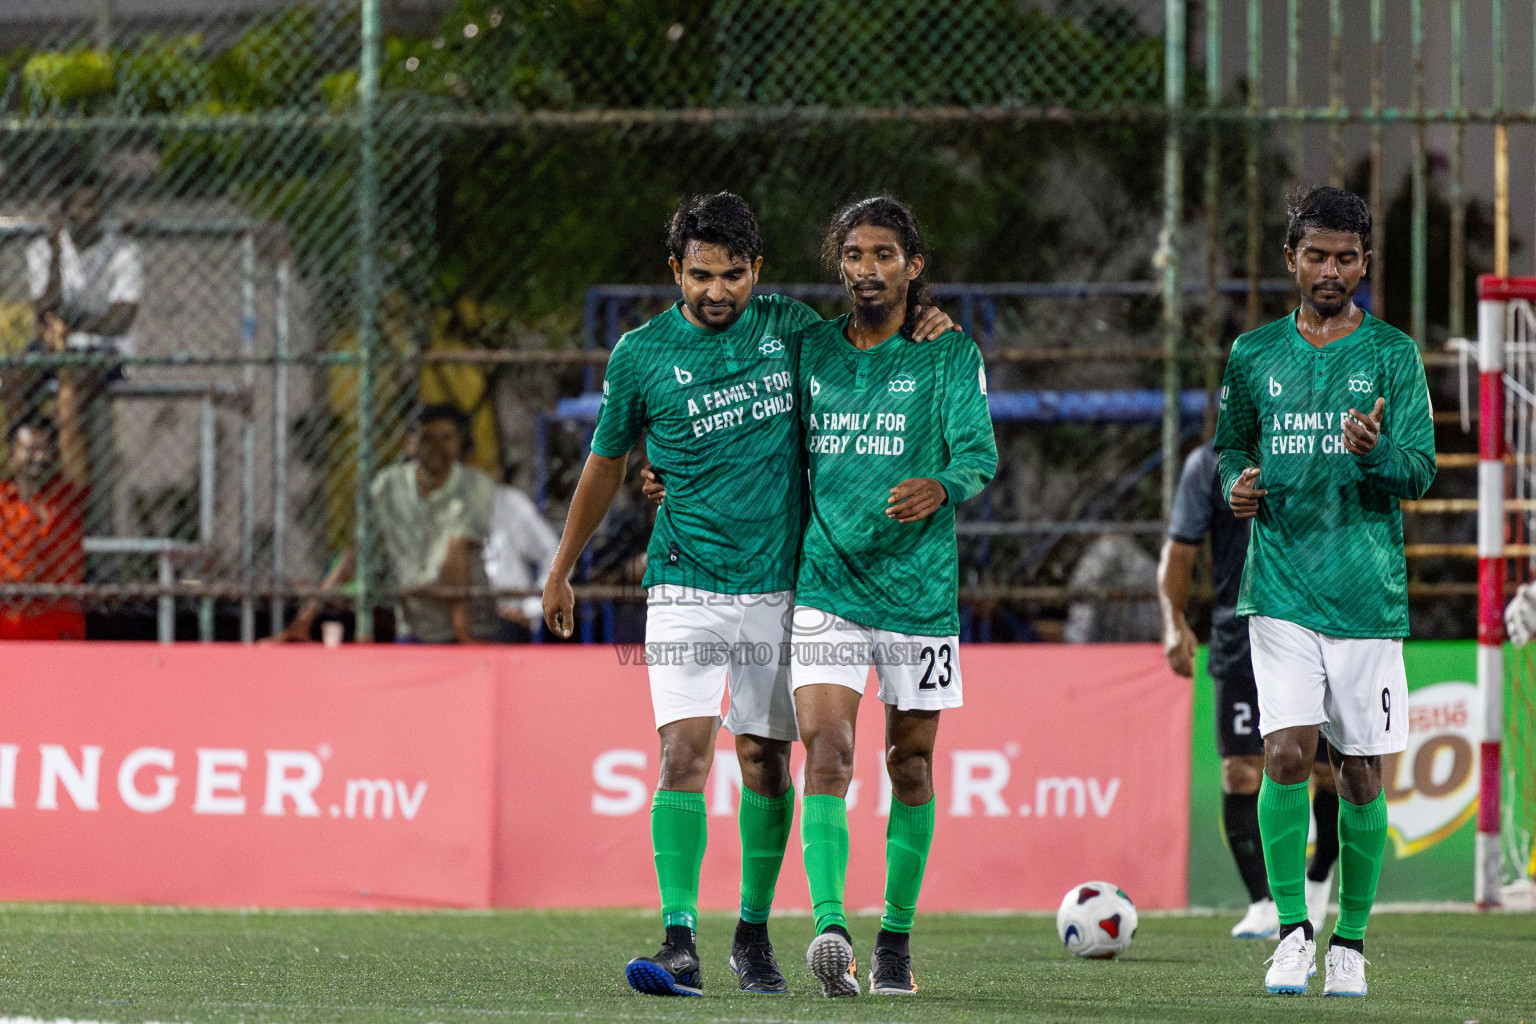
(428, 1011)
(432, 1012)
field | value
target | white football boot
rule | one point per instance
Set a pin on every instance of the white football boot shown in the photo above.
(1262, 921)
(1346, 972)
(830, 958)
(1293, 962)
(1317, 901)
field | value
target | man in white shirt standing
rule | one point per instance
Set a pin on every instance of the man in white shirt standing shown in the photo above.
(86, 276)
(87, 273)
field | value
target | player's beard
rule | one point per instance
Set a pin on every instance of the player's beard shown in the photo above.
(720, 317)
(1331, 305)
(876, 310)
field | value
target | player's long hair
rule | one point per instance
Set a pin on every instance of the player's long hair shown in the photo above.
(881, 212)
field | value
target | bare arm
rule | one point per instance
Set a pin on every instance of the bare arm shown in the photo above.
(52, 296)
(1175, 568)
(455, 573)
(601, 479)
(340, 575)
(72, 446)
(118, 319)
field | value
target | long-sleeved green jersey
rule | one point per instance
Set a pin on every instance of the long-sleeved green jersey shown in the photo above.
(873, 418)
(1327, 545)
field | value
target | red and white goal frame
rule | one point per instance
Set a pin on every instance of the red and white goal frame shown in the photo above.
(1506, 356)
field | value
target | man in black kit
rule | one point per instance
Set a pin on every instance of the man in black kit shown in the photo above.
(1200, 510)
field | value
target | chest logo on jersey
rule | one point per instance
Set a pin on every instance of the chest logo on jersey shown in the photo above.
(682, 375)
(902, 384)
(1274, 387)
(1360, 383)
(771, 346)
(815, 386)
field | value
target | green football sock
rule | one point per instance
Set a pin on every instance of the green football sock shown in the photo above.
(678, 836)
(908, 834)
(1362, 843)
(1283, 816)
(824, 838)
(765, 823)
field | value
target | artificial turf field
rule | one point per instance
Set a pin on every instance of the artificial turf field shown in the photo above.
(134, 965)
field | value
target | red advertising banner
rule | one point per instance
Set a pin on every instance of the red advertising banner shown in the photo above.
(522, 777)
(223, 775)
(1067, 763)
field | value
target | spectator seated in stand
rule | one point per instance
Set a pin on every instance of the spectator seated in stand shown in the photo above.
(517, 556)
(42, 517)
(434, 516)
(1113, 561)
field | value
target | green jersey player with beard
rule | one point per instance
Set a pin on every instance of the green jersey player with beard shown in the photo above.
(897, 435)
(1325, 425)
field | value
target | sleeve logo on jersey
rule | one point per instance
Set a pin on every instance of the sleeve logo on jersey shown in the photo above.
(771, 346)
(981, 378)
(1274, 388)
(682, 375)
(903, 384)
(1360, 383)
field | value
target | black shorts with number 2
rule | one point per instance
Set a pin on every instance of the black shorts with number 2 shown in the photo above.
(1237, 719)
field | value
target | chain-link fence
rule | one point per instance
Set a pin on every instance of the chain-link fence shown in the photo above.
(266, 237)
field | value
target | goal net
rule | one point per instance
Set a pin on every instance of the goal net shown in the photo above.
(1506, 558)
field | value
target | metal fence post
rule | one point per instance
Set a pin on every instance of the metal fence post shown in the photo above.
(368, 306)
(207, 490)
(1173, 212)
(1419, 237)
(248, 439)
(1378, 156)
(280, 440)
(1251, 163)
(1458, 253)
(1212, 203)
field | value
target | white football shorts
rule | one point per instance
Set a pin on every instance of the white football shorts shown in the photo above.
(1355, 690)
(699, 644)
(916, 673)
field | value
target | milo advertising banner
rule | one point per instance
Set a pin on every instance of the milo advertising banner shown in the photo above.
(1431, 788)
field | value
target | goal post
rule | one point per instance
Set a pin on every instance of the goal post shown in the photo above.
(1506, 353)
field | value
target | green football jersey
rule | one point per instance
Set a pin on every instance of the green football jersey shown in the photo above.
(718, 412)
(1327, 545)
(872, 419)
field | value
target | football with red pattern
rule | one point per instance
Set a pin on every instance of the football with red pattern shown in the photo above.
(1097, 920)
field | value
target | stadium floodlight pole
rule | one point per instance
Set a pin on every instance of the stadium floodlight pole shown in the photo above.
(367, 305)
(1493, 296)
(1173, 213)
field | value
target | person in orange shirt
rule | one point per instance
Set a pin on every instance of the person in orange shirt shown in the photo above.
(42, 515)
